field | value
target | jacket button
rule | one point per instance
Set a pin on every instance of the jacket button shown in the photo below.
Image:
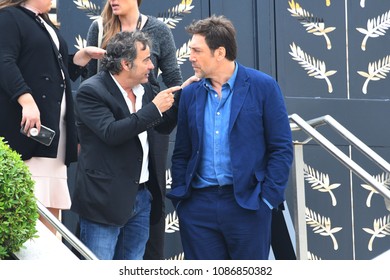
(136, 181)
(44, 96)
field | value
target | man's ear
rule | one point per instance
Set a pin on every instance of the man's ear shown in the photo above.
(125, 65)
(220, 53)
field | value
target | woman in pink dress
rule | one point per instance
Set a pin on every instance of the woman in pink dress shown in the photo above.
(35, 74)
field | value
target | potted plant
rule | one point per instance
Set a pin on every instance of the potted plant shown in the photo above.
(18, 208)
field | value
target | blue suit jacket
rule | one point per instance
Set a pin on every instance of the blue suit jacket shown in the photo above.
(260, 140)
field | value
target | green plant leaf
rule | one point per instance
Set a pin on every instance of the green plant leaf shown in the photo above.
(18, 208)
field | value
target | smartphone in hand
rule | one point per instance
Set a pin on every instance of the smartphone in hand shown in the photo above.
(45, 135)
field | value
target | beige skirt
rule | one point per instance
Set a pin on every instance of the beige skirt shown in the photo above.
(50, 174)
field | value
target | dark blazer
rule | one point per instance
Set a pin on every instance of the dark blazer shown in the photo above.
(260, 140)
(110, 158)
(28, 63)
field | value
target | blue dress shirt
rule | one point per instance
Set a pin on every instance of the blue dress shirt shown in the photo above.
(215, 162)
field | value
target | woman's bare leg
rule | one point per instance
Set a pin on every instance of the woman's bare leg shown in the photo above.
(56, 213)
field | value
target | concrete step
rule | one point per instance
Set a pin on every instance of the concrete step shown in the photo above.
(45, 247)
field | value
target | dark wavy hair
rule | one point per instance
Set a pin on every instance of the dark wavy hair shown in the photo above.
(123, 46)
(218, 32)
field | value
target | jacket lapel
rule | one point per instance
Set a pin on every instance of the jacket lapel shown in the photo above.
(200, 98)
(240, 91)
(115, 92)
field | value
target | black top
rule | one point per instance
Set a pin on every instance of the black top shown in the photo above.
(28, 63)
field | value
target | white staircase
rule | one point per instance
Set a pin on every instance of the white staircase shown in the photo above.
(45, 247)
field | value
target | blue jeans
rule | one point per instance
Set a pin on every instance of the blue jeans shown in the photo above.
(126, 242)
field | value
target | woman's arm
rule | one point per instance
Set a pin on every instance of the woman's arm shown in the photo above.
(84, 55)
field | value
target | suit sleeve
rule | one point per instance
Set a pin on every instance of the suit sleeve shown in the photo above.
(169, 119)
(100, 113)
(279, 146)
(183, 146)
(11, 79)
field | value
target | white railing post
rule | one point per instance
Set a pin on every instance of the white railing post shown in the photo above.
(299, 203)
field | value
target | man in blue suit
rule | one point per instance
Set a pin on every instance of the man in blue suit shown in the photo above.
(233, 151)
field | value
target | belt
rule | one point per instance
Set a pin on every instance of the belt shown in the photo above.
(142, 186)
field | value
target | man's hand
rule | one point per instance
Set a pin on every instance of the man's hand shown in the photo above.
(190, 80)
(165, 99)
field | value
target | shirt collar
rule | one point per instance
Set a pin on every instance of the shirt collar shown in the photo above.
(138, 90)
(230, 82)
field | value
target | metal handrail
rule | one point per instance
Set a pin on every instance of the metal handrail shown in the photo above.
(361, 146)
(70, 237)
(307, 126)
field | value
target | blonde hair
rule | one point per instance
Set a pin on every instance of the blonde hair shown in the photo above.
(111, 23)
